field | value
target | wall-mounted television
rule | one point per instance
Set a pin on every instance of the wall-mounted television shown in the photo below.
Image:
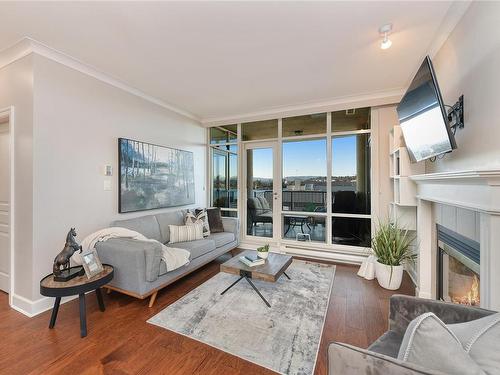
(423, 117)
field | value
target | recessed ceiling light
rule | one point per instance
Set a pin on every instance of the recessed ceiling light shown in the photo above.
(385, 30)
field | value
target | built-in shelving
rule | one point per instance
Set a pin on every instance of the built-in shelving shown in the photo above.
(403, 205)
(403, 208)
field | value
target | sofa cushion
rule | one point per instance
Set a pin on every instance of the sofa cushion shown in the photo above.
(196, 248)
(221, 239)
(166, 219)
(387, 344)
(145, 225)
(429, 342)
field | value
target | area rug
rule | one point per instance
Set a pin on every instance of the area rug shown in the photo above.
(284, 338)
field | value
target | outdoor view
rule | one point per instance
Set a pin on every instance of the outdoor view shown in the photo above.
(225, 177)
(260, 192)
(304, 189)
(304, 180)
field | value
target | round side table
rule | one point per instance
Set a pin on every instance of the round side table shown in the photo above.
(77, 286)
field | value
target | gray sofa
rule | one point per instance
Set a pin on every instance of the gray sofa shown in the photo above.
(381, 356)
(139, 268)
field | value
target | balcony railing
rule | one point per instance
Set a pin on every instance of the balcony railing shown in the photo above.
(299, 200)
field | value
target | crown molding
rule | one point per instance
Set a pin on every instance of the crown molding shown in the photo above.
(451, 19)
(378, 98)
(15, 52)
(27, 45)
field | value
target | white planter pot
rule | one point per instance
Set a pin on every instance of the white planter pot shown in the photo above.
(263, 254)
(384, 277)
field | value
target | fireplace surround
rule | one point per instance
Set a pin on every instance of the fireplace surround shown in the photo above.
(476, 191)
(458, 268)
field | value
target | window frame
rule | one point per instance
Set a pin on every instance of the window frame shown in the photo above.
(215, 148)
(328, 245)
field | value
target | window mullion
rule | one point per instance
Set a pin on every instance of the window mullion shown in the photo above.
(329, 155)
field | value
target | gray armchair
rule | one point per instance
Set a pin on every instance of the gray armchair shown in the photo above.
(381, 356)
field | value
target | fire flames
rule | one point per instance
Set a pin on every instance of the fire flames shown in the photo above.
(471, 297)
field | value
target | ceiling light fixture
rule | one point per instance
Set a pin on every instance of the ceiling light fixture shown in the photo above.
(385, 31)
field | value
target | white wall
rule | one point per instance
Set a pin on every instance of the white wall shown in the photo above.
(16, 89)
(469, 64)
(77, 121)
(67, 129)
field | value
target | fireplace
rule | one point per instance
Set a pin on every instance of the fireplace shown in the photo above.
(458, 268)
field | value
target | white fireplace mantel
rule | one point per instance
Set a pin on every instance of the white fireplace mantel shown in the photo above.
(472, 190)
(476, 190)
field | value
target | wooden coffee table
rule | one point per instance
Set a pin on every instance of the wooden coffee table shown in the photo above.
(275, 266)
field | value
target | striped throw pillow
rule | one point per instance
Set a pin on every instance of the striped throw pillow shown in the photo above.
(185, 233)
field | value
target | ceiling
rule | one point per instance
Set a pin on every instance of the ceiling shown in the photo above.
(222, 59)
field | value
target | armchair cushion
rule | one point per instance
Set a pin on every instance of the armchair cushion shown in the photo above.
(481, 340)
(344, 359)
(264, 204)
(387, 344)
(403, 309)
(428, 342)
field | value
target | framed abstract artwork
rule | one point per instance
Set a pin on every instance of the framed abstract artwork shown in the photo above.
(152, 176)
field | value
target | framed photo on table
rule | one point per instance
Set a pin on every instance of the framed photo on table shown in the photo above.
(91, 263)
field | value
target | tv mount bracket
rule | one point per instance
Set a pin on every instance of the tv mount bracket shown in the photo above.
(456, 114)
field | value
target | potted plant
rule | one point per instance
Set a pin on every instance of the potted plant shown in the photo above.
(392, 246)
(263, 252)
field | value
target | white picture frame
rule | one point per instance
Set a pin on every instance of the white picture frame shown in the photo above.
(91, 263)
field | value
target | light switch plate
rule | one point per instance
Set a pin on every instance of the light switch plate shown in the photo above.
(108, 170)
(107, 185)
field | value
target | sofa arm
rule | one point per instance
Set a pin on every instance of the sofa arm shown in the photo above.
(134, 261)
(232, 224)
(403, 309)
(346, 359)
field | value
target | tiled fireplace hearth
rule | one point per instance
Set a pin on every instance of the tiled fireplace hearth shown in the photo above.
(469, 272)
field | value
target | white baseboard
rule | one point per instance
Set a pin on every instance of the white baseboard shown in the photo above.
(311, 253)
(32, 308)
(325, 255)
(4, 282)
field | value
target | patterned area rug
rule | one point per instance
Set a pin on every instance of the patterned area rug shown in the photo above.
(284, 338)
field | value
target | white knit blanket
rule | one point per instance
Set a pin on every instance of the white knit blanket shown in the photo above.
(173, 257)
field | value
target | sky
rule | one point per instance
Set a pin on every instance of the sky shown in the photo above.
(308, 158)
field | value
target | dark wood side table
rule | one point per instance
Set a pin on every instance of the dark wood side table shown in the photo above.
(77, 286)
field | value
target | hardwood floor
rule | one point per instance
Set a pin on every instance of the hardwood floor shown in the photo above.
(120, 341)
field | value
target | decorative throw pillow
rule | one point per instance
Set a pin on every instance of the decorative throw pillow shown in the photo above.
(428, 342)
(198, 217)
(480, 338)
(185, 233)
(215, 220)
